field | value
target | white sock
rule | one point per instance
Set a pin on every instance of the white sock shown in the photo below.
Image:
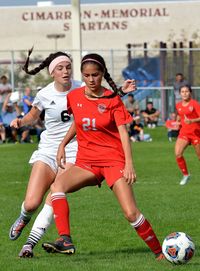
(139, 221)
(41, 224)
(24, 213)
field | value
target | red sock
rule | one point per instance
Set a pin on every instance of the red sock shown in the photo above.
(61, 213)
(145, 231)
(182, 165)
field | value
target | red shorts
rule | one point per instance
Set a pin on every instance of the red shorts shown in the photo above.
(191, 139)
(110, 173)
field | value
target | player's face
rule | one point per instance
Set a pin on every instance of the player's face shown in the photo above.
(62, 73)
(92, 77)
(185, 94)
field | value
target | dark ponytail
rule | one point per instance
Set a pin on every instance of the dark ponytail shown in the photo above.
(44, 63)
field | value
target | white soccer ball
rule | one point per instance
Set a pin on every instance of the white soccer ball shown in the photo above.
(178, 248)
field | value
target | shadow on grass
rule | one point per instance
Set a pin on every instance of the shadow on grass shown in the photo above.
(110, 255)
(117, 251)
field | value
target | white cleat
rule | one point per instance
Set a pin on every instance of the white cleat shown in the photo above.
(26, 251)
(185, 179)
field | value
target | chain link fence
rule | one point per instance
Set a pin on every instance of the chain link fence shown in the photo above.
(171, 61)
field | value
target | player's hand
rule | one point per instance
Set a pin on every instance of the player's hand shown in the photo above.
(186, 120)
(177, 126)
(16, 123)
(129, 85)
(130, 174)
(60, 157)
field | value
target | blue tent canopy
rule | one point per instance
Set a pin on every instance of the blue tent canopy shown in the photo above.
(146, 72)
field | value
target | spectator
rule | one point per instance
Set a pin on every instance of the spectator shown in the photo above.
(136, 131)
(5, 88)
(9, 112)
(172, 126)
(27, 105)
(37, 128)
(27, 100)
(2, 131)
(150, 115)
(179, 82)
(131, 105)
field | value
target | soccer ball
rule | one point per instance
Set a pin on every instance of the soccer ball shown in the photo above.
(178, 248)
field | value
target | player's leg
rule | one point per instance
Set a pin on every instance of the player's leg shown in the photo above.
(125, 196)
(40, 180)
(197, 150)
(70, 181)
(180, 146)
(41, 224)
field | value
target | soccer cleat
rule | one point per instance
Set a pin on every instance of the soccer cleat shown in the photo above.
(62, 245)
(26, 251)
(17, 227)
(185, 179)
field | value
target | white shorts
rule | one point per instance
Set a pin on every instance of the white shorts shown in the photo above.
(50, 159)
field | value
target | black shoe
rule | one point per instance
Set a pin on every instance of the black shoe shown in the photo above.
(62, 245)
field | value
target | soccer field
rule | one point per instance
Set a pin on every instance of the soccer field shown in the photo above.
(103, 238)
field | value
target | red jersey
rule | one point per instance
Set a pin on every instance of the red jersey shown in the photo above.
(191, 111)
(171, 124)
(96, 127)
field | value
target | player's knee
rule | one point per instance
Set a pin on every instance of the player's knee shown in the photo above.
(131, 215)
(31, 204)
(55, 187)
(58, 186)
(178, 155)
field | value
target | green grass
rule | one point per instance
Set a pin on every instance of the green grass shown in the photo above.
(103, 238)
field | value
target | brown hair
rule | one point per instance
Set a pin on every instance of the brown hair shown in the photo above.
(186, 86)
(45, 63)
(99, 61)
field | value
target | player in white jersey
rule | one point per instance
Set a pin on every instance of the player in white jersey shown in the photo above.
(57, 121)
(53, 100)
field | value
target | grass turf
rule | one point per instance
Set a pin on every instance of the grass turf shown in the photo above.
(103, 238)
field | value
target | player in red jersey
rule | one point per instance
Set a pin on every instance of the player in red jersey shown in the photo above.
(104, 152)
(188, 111)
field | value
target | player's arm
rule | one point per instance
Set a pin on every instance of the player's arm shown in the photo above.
(197, 109)
(60, 158)
(155, 115)
(6, 101)
(129, 171)
(26, 101)
(189, 121)
(28, 119)
(129, 85)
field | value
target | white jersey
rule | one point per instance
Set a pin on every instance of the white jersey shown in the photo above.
(57, 121)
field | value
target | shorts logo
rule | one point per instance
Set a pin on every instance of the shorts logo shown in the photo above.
(101, 108)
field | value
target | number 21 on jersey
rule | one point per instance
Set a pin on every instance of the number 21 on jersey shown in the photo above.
(89, 124)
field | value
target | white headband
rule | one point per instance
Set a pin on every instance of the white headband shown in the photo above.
(56, 61)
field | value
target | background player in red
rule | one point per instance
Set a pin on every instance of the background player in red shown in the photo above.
(188, 111)
(104, 152)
